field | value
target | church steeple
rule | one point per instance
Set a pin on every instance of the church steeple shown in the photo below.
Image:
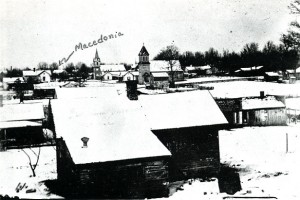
(97, 60)
(144, 55)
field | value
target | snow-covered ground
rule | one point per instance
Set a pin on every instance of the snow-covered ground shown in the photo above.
(15, 170)
(237, 89)
(267, 159)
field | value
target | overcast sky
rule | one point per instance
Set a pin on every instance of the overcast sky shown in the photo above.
(35, 31)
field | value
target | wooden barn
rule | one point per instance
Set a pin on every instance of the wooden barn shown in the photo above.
(21, 125)
(106, 150)
(187, 124)
(254, 111)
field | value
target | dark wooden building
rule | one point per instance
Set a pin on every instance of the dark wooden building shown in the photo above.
(106, 150)
(254, 111)
(187, 124)
(21, 125)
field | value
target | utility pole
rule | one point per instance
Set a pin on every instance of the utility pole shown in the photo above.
(287, 143)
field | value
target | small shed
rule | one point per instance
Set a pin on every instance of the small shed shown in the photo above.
(121, 159)
(266, 111)
(131, 76)
(187, 124)
(254, 111)
(159, 80)
(21, 125)
(272, 76)
(107, 76)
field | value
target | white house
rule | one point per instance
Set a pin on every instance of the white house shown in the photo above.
(38, 75)
(107, 76)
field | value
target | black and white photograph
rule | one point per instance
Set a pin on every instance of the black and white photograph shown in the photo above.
(150, 99)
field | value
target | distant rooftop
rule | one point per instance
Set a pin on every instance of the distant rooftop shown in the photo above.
(179, 110)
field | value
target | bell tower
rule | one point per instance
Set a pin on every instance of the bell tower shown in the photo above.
(96, 66)
(144, 66)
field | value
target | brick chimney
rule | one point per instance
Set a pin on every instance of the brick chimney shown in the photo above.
(262, 94)
(85, 141)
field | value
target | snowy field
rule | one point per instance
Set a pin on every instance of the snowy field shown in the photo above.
(237, 89)
(267, 158)
(266, 165)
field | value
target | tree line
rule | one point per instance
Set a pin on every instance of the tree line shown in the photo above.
(273, 57)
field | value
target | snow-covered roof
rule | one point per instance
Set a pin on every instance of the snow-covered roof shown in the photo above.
(50, 85)
(35, 73)
(58, 71)
(257, 103)
(178, 110)
(204, 67)
(192, 68)
(162, 65)
(272, 74)
(18, 112)
(251, 68)
(12, 79)
(298, 70)
(18, 124)
(112, 68)
(160, 74)
(118, 74)
(290, 71)
(115, 126)
(135, 73)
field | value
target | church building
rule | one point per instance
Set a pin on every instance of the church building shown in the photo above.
(96, 67)
(156, 68)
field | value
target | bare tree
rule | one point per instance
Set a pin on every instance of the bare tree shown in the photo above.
(33, 166)
(170, 54)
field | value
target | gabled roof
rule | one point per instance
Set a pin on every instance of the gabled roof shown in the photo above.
(164, 66)
(179, 110)
(19, 112)
(115, 126)
(35, 73)
(143, 51)
(112, 68)
(257, 103)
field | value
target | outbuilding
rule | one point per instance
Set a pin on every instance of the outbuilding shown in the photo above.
(106, 150)
(187, 123)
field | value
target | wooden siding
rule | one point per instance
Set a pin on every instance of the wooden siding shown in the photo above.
(136, 178)
(267, 117)
(195, 151)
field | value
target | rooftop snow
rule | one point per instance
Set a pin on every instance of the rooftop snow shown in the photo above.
(112, 68)
(35, 73)
(12, 80)
(238, 89)
(257, 103)
(160, 74)
(17, 112)
(18, 124)
(115, 126)
(162, 65)
(178, 110)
